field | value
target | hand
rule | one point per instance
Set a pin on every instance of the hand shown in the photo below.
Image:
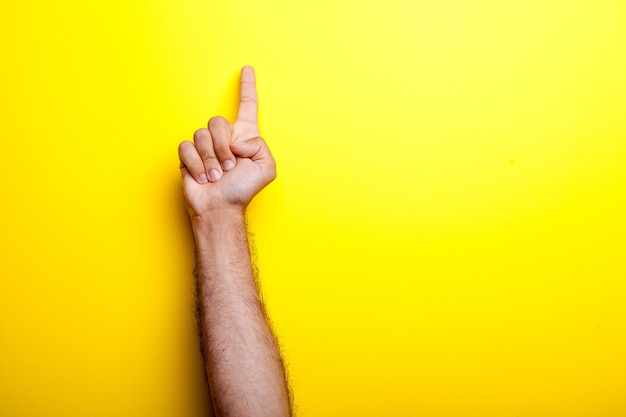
(227, 164)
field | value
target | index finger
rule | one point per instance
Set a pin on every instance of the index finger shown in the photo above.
(248, 100)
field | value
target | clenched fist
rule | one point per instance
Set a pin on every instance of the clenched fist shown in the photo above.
(227, 164)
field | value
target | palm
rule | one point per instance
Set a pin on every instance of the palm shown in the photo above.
(235, 189)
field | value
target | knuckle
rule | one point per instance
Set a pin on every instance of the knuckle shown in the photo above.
(207, 158)
(222, 150)
(257, 141)
(248, 99)
(185, 147)
(216, 121)
(199, 133)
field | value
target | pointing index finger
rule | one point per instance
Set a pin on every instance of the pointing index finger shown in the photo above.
(248, 100)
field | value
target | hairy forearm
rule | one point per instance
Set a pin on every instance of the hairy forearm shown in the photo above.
(243, 364)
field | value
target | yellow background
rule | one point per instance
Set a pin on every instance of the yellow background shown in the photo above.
(445, 238)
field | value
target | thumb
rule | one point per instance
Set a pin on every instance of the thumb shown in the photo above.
(255, 149)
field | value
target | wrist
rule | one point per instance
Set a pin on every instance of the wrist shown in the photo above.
(221, 242)
(218, 223)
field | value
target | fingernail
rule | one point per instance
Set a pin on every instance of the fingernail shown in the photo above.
(228, 165)
(203, 178)
(214, 174)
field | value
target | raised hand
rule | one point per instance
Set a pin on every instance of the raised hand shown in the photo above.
(227, 164)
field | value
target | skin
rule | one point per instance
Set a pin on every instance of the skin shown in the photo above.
(223, 169)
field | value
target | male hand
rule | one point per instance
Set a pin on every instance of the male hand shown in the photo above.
(227, 164)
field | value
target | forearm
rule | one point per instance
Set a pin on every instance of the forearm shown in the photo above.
(243, 365)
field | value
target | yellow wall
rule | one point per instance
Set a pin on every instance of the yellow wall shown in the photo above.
(446, 236)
